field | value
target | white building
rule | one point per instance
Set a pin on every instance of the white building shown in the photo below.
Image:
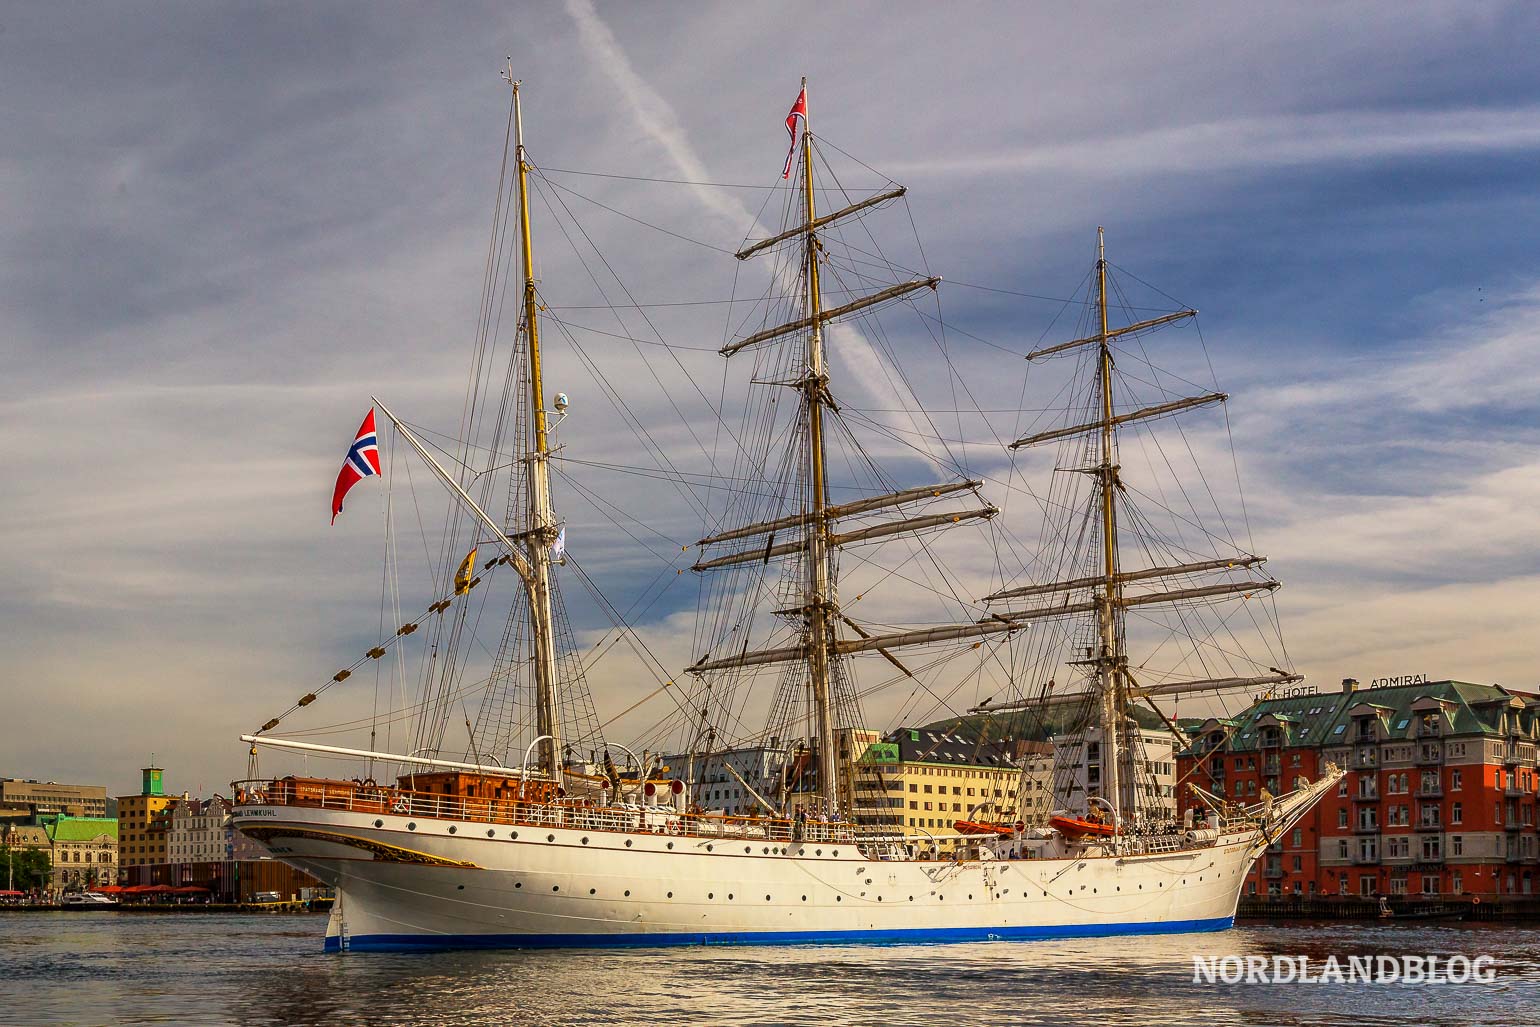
(197, 833)
(714, 787)
(1078, 772)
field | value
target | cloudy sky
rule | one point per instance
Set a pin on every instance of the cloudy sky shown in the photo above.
(226, 228)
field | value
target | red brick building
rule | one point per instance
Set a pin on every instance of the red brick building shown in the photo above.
(1439, 797)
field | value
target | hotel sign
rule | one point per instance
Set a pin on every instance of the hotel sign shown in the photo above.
(1400, 679)
(1286, 692)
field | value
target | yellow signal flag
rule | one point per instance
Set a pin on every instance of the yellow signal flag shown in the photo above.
(463, 575)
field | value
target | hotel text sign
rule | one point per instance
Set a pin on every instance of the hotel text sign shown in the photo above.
(1403, 679)
(1286, 692)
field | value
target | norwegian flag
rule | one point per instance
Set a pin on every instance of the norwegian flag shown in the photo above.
(798, 111)
(363, 461)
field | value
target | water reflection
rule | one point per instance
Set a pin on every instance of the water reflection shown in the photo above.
(91, 968)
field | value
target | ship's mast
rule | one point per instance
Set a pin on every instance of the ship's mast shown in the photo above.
(541, 530)
(819, 599)
(1109, 660)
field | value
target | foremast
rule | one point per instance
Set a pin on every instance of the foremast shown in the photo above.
(540, 532)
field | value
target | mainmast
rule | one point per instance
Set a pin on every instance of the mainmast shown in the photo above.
(819, 600)
(540, 532)
(1109, 666)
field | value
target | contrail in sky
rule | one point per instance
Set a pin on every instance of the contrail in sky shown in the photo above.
(658, 120)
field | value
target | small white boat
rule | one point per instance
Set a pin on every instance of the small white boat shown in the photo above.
(87, 900)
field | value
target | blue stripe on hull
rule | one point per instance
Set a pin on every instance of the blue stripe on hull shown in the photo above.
(428, 942)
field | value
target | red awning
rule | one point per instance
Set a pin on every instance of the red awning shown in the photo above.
(11, 894)
(191, 889)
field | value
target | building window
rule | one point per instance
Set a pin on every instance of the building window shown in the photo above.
(1456, 845)
(1456, 813)
(1454, 780)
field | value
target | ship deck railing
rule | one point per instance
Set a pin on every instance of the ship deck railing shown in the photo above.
(577, 814)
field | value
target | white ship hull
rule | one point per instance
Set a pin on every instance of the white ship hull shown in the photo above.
(414, 883)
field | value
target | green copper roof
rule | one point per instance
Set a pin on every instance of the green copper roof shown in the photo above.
(80, 829)
(1323, 719)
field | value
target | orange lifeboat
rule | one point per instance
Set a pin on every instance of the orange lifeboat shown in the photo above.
(1076, 826)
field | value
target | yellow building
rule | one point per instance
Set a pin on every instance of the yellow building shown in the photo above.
(143, 822)
(919, 783)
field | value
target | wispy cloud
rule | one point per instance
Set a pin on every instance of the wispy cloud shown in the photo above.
(1275, 141)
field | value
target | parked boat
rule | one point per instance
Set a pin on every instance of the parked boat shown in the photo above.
(567, 848)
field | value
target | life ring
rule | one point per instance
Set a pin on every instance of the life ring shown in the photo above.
(1475, 900)
(368, 784)
(401, 804)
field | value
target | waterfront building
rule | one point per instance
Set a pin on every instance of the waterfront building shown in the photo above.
(1439, 799)
(717, 779)
(196, 832)
(35, 799)
(918, 782)
(83, 850)
(1077, 771)
(144, 822)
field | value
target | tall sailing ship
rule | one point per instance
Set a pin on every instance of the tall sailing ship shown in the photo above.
(539, 835)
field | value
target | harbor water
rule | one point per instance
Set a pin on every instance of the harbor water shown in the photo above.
(107, 967)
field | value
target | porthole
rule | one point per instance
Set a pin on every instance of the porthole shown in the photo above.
(711, 895)
(748, 849)
(379, 823)
(550, 837)
(729, 896)
(459, 887)
(556, 887)
(839, 898)
(710, 848)
(491, 833)
(766, 852)
(911, 898)
(592, 891)
(767, 898)
(671, 845)
(670, 894)
(451, 829)
(628, 843)
(628, 893)
(518, 884)
(818, 852)
(585, 839)
(836, 852)
(879, 898)
(970, 896)
(804, 898)
(411, 827)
